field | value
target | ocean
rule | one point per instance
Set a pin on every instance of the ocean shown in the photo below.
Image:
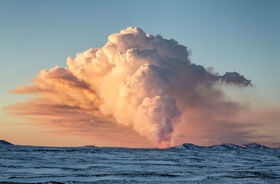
(188, 163)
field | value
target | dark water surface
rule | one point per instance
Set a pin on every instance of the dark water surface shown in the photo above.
(218, 164)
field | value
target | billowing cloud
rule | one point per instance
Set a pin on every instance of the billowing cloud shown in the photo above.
(137, 80)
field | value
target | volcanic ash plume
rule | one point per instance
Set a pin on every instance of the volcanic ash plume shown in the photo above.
(143, 81)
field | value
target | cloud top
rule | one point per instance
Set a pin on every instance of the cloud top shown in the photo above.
(137, 80)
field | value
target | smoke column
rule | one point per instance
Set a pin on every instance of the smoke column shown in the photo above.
(140, 80)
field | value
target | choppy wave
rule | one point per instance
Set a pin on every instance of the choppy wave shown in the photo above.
(189, 163)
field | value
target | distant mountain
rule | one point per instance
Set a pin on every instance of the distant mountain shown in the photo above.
(225, 146)
(255, 146)
(3, 142)
(190, 146)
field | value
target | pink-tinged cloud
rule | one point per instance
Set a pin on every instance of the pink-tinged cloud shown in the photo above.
(141, 81)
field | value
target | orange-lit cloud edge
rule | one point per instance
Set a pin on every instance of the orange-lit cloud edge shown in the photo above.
(141, 90)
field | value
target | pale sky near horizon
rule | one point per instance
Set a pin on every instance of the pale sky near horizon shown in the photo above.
(228, 35)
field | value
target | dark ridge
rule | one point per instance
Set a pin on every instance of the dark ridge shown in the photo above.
(89, 146)
(226, 146)
(3, 142)
(190, 146)
(255, 146)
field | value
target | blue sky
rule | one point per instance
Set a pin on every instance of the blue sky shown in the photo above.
(228, 35)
